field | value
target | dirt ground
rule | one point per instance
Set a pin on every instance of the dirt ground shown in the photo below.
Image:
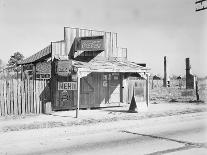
(163, 102)
(86, 117)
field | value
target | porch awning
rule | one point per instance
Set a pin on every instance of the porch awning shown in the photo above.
(109, 66)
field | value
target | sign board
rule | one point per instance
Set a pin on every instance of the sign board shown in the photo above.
(67, 85)
(64, 96)
(105, 83)
(187, 93)
(64, 68)
(93, 43)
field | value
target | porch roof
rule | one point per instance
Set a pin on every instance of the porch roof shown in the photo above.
(113, 65)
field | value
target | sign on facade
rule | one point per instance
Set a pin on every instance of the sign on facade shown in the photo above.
(64, 68)
(67, 85)
(105, 83)
(187, 93)
(94, 43)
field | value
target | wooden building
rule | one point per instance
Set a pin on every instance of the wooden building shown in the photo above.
(87, 69)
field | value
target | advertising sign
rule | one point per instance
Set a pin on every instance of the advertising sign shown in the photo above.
(94, 43)
(64, 68)
(187, 93)
(67, 85)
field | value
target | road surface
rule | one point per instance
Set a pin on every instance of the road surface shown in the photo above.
(183, 134)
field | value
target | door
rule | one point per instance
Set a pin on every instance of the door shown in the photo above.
(114, 87)
(87, 91)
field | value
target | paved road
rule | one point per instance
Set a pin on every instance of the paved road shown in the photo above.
(183, 134)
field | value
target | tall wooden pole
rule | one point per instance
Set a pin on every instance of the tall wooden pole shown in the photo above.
(165, 72)
(78, 100)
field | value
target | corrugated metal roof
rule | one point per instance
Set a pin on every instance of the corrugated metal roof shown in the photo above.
(37, 56)
(109, 66)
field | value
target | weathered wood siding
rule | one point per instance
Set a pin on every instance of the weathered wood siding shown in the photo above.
(99, 89)
(23, 97)
(66, 47)
(58, 49)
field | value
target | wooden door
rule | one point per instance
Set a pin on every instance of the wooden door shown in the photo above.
(114, 87)
(87, 91)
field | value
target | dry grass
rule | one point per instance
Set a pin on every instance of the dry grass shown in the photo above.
(174, 94)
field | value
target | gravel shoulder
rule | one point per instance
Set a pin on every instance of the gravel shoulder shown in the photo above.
(91, 117)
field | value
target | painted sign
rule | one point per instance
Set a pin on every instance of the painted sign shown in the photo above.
(64, 96)
(64, 68)
(94, 43)
(67, 85)
(187, 93)
(105, 84)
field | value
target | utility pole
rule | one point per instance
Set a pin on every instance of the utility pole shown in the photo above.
(165, 72)
(201, 5)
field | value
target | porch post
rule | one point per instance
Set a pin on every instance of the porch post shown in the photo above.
(147, 89)
(78, 100)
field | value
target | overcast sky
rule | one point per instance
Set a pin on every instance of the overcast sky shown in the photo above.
(150, 29)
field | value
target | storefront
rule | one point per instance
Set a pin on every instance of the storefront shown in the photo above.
(88, 70)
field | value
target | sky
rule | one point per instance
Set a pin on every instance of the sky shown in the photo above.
(150, 29)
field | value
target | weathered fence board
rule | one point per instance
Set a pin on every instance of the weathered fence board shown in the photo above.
(20, 97)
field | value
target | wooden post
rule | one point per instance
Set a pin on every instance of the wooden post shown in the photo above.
(78, 100)
(165, 72)
(147, 89)
(197, 94)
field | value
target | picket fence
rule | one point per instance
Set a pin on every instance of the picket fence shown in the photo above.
(20, 97)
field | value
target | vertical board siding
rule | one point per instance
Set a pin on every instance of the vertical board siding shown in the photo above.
(70, 34)
(20, 97)
(58, 49)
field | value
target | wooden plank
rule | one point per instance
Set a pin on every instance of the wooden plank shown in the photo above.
(29, 95)
(34, 89)
(15, 87)
(41, 94)
(1, 99)
(28, 98)
(35, 101)
(5, 97)
(23, 88)
(8, 97)
(19, 94)
(40, 99)
(38, 96)
(32, 95)
(69, 36)
(12, 96)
